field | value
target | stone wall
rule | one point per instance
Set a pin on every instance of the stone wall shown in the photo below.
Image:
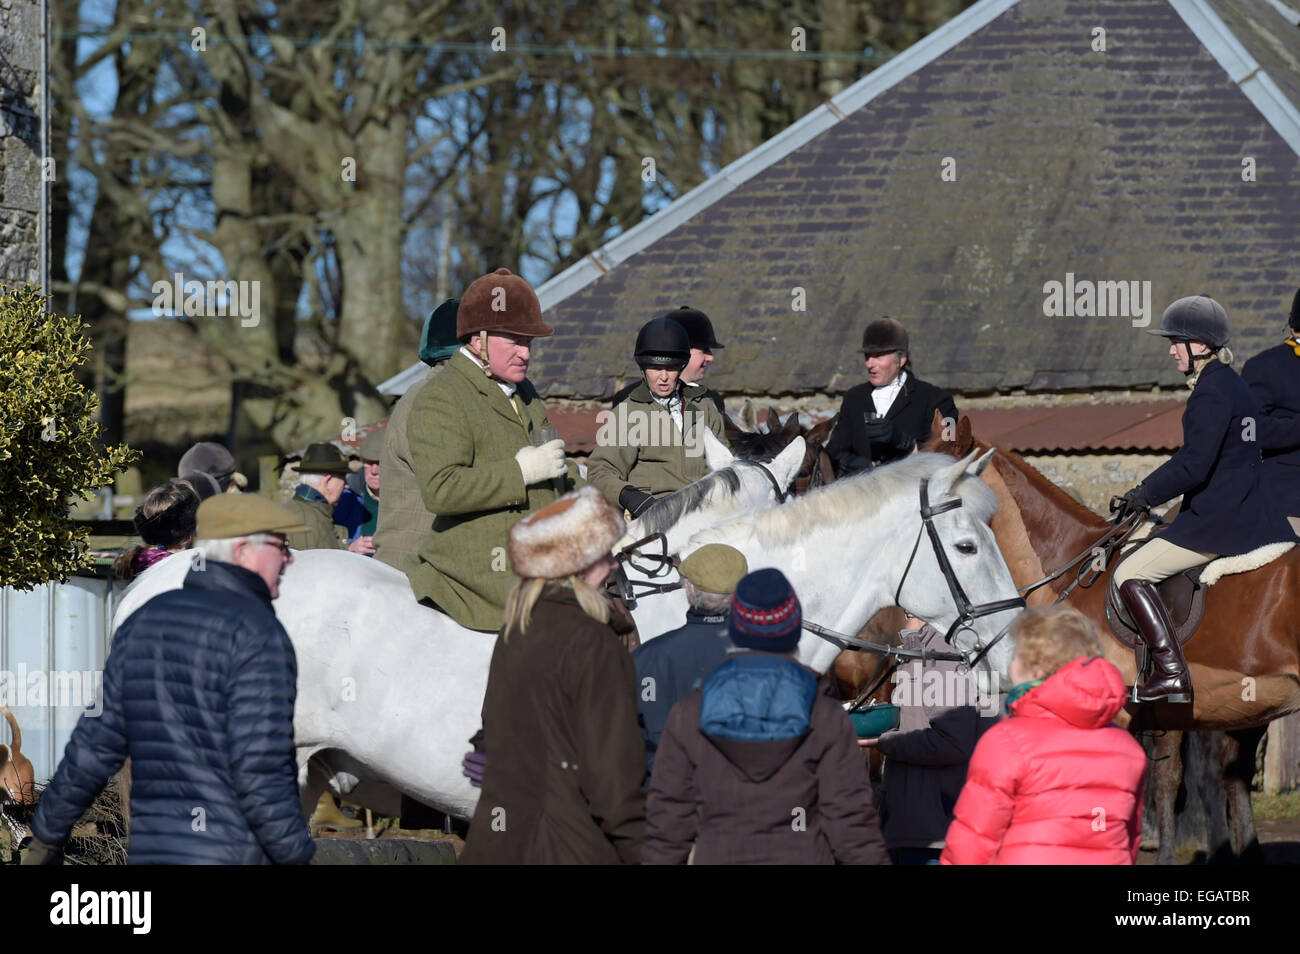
(1094, 478)
(20, 166)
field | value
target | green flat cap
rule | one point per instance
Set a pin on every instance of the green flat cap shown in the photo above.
(715, 568)
(372, 446)
(225, 516)
(323, 459)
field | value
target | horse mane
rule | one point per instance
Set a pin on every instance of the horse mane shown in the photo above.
(1045, 486)
(668, 510)
(853, 497)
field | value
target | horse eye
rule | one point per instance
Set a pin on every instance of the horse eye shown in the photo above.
(965, 547)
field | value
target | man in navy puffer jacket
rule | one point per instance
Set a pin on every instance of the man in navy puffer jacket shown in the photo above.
(199, 692)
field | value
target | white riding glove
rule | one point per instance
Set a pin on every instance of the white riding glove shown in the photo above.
(541, 463)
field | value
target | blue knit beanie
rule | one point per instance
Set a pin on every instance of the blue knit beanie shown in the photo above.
(765, 613)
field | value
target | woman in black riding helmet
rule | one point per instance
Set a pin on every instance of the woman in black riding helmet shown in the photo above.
(1225, 509)
(653, 443)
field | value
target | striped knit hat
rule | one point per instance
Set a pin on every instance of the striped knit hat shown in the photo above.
(765, 613)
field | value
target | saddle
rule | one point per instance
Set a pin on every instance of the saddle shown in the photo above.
(1184, 594)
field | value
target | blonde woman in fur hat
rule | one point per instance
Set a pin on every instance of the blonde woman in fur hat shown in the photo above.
(562, 784)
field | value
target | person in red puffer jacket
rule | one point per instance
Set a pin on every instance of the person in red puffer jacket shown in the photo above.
(1057, 783)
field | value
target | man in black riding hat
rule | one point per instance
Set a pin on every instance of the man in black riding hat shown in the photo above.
(703, 343)
(1225, 509)
(1274, 377)
(890, 415)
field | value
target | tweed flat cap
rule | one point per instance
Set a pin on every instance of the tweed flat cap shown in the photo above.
(715, 568)
(226, 516)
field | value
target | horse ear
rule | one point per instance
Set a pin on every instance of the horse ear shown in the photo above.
(787, 463)
(936, 426)
(982, 463)
(730, 428)
(748, 417)
(773, 421)
(965, 439)
(716, 454)
(791, 429)
(942, 482)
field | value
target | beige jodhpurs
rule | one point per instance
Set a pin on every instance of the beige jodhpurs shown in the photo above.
(1158, 560)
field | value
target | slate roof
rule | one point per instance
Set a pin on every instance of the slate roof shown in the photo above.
(1122, 165)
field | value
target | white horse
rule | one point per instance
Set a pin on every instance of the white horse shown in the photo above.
(849, 548)
(389, 691)
(734, 488)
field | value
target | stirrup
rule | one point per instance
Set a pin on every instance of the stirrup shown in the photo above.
(1173, 697)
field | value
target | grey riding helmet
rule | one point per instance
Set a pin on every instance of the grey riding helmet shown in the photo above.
(1194, 318)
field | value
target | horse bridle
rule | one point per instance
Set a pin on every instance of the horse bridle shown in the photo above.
(781, 495)
(967, 612)
(626, 588)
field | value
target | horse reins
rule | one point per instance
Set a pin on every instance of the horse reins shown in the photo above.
(626, 588)
(1110, 542)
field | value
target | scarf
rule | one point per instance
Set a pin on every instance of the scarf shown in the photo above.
(147, 558)
(1018, 691)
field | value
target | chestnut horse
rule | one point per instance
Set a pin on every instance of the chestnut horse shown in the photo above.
(1244, 659)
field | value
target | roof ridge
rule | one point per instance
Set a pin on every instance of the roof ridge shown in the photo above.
(1242, 68)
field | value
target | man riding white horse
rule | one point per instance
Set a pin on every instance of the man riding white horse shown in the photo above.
(472, 432)
(1225, 509)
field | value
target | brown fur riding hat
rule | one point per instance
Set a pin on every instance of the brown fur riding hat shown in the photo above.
(502, 302)
(566, 536)
(884, 336)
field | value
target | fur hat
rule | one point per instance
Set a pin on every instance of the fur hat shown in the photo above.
(566, 536)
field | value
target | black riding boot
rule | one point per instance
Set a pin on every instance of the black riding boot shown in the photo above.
(1169, 678)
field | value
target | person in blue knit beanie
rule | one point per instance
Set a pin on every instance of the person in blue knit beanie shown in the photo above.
(760, 765)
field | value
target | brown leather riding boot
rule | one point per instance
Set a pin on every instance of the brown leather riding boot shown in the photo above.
(1169, 679)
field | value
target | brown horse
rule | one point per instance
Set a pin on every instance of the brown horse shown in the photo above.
(753, 444)
(1244, 659)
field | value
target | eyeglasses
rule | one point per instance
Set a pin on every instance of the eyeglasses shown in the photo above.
(282, 545)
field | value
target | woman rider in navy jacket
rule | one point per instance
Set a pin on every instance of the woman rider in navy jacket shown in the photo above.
(1225, 511)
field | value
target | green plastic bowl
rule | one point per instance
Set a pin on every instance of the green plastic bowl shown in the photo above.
(875, 720)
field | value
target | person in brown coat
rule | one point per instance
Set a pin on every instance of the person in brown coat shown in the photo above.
(758, 765)
(562, 784)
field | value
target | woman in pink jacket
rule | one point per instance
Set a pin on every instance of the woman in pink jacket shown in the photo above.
(1056, 783)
